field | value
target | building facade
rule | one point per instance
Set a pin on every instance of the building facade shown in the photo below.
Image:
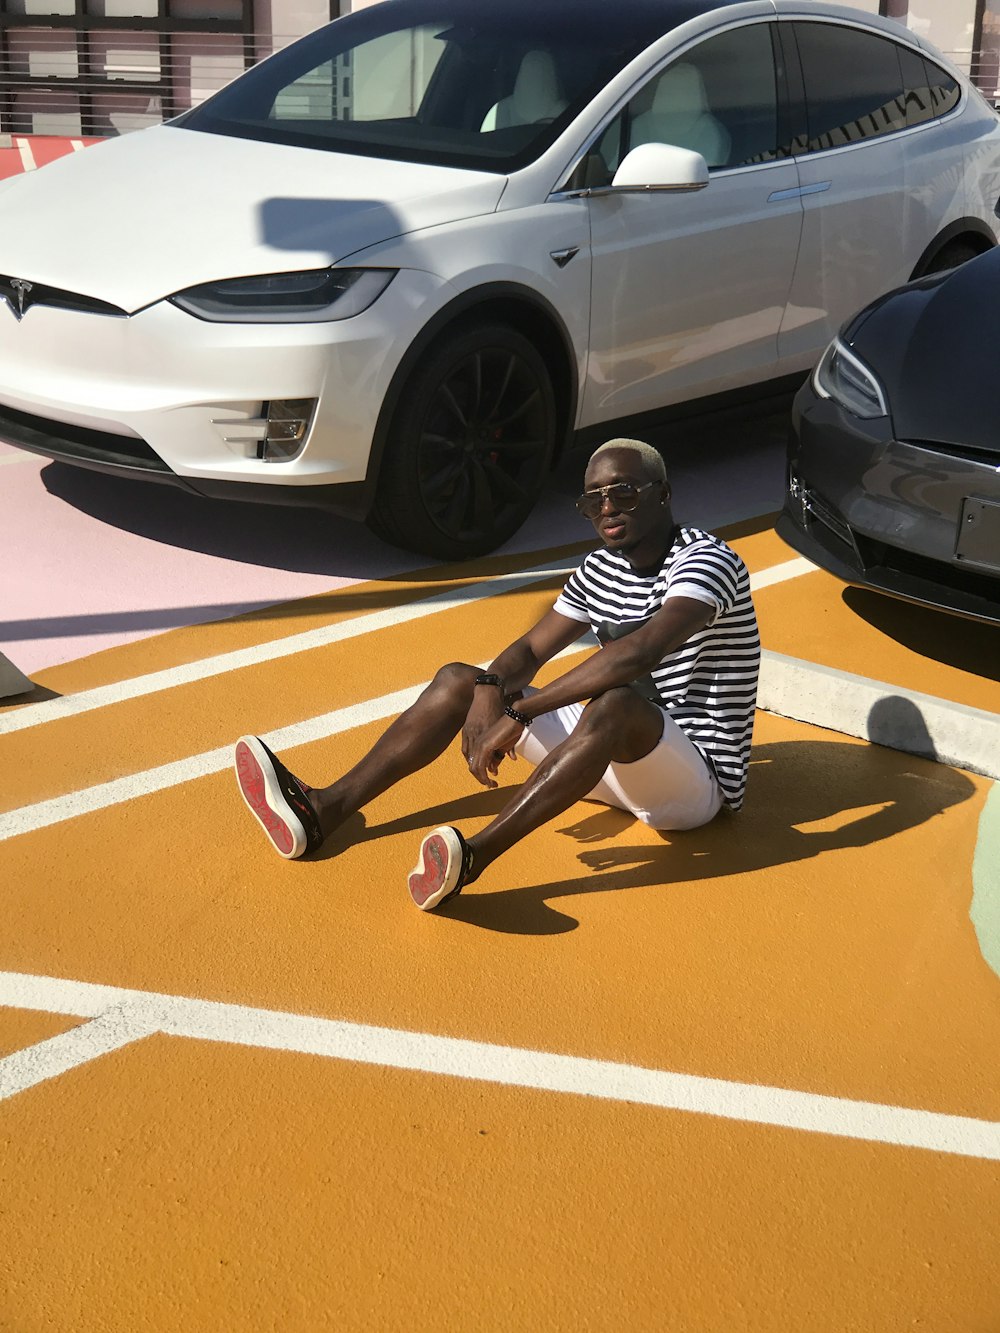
(104, 67)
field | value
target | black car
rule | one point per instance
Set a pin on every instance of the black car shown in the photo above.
(894, 456)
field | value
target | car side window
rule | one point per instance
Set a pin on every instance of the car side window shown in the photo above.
(853, 83)
(928, 90)
(719, 99)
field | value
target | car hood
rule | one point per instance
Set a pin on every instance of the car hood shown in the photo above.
(932, 345)
(138, 218)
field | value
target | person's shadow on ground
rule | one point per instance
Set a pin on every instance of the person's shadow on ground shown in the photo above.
(804, 798)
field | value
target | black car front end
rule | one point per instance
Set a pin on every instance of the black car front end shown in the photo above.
(880, 491)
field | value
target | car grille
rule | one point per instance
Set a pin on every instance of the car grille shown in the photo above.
(826, 514)
(877, 555)
(56, 439)
(21, 296)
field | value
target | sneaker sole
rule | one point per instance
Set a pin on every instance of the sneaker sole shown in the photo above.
(263, 796)
(428, 880)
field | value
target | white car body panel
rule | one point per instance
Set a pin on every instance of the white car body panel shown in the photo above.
(508, 250)
(211, 207)
(111, 378)
(677, 310)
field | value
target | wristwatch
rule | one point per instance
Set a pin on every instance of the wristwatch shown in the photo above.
(490, 678)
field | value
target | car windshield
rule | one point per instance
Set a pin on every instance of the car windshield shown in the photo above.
(453, 82)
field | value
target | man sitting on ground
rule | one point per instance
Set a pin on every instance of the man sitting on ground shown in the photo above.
(657, 722)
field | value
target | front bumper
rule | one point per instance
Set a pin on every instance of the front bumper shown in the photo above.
(164, 396)
(886, 514)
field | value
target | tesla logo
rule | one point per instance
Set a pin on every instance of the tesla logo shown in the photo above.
(20, 289)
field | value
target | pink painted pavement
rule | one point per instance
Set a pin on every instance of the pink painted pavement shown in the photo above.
(88, 562)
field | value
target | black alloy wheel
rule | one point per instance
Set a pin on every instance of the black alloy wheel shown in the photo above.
(470, 446)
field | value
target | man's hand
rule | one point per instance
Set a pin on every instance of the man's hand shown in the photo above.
(492, 747)
(485, 710)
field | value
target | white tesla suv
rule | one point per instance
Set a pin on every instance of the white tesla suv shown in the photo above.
(398, 267)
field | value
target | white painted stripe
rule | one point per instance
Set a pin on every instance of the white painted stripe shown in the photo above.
(51, 710)
(27, 156)
(104, 794)
(789, 569)
(11, 460)
(788, 687)
(30, 818)
(510, 1066)
(89, 800)
(116, 1027)
(77, 144)
(72, 705)
(875, 710)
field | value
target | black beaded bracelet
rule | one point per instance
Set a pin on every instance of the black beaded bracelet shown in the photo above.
(519, 718)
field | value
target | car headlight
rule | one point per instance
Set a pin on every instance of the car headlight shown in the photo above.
(845, 379)
(317, 296)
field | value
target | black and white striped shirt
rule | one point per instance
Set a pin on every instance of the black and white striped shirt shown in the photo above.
(709, 684)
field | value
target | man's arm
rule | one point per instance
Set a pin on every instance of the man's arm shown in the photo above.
(617, 663)
(517, 666)
(519, 663)
(624, 660)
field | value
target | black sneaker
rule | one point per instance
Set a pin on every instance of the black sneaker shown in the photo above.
(443, 867)
(277, 798)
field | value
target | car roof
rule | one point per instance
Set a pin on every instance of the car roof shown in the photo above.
(653, 18)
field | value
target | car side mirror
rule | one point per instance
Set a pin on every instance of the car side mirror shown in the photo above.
(661, 166)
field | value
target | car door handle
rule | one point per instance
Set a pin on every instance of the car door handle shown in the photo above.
(798, 191)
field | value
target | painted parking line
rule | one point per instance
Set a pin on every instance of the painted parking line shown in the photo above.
(43, 814)
(152, 683)
(110, 1031)
(100, 796)
(73, 705)
(955, 734)
(122, 1016)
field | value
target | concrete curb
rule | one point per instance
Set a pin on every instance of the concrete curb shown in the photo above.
(874, 710)
(11, 680)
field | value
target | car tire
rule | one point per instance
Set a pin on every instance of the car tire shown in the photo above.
(470, 445)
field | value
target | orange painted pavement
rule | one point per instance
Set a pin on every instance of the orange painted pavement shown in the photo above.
(819, 942)
(820, 620)
(177, 1186)
(20, 1028)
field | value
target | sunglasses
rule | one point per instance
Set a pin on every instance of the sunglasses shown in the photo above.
(623, 496)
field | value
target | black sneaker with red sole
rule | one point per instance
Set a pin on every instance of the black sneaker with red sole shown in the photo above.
(277, 798)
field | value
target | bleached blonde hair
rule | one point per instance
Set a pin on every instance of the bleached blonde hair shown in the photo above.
(653, 461)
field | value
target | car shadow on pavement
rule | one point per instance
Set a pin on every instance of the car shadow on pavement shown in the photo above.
(290, 537)
(804, 798)
(970, 645)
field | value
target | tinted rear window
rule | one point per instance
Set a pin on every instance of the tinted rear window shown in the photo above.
(854, 86)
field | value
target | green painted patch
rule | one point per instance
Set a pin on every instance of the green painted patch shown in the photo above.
(985, 911)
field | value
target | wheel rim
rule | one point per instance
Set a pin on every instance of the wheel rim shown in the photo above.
(484, 445)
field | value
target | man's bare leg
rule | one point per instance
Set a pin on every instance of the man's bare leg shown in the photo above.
(617, 727)
(413, 741)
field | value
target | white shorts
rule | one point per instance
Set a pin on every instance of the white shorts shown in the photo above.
(672, 787)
